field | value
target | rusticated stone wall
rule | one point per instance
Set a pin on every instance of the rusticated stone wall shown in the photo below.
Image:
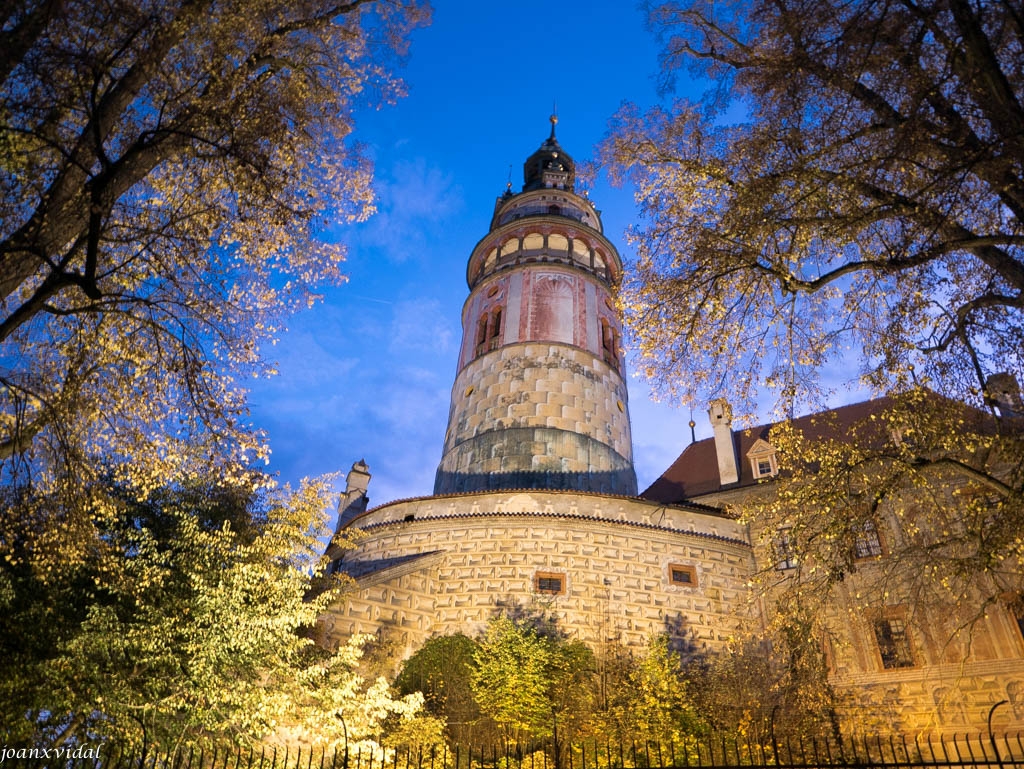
(965, 658)
(446, 564)
(538, 415)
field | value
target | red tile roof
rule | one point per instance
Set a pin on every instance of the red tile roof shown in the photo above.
(695, 472)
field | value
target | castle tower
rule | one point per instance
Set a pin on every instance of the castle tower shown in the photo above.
(540, 396)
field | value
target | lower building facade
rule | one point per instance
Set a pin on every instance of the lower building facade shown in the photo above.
(600, 568)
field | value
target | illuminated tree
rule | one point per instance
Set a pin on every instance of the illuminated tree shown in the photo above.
(655, 703)
(853, 182)
(187, 626)
(164, 170)
(510, 679)
(919, 505)
(851, 187)
(531, 684)
(442, 671)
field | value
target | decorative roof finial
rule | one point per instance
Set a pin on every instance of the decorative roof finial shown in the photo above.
(553, 119)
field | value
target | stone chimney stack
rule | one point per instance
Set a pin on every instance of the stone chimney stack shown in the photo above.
(721, 420)
(354, 501)
(1003, 391)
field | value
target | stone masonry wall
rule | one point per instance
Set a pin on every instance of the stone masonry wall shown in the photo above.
(951, 698)
(535, 457)
(539, 385)
(964, 660)
(476, 561)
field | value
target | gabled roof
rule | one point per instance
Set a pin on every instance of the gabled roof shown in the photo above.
(695, 472)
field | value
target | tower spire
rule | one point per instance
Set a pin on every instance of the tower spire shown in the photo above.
(554, 121)
(550, 167)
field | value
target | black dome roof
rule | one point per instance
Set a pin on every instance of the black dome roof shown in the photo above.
(549, 166)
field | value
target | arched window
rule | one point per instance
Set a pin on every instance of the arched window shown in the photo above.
(533, 242)
(481, 335)
(609, 343)
(494, 331)
(488, 331)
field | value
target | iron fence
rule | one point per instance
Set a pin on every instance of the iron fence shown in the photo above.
(968, 750)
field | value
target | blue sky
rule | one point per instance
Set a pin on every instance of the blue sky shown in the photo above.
(368, 372)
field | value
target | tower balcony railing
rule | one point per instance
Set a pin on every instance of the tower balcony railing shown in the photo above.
(543, 255)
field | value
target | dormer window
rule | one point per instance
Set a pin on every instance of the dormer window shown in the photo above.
(762, 460)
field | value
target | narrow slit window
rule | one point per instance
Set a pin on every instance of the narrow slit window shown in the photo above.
(1017, 612)
(495, 332)
(481, 335)
(785, 550)
(609, 345)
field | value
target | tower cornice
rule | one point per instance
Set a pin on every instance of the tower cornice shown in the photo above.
(594, 254)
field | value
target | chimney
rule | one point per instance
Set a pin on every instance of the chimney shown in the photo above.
(1003, 392)
(721, 420)
(354, 501)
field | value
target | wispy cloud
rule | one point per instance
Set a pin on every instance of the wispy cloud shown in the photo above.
(414, 200)
(421, 324)
(358, 381)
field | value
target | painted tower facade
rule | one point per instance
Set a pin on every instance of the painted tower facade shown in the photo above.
(539, 401)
